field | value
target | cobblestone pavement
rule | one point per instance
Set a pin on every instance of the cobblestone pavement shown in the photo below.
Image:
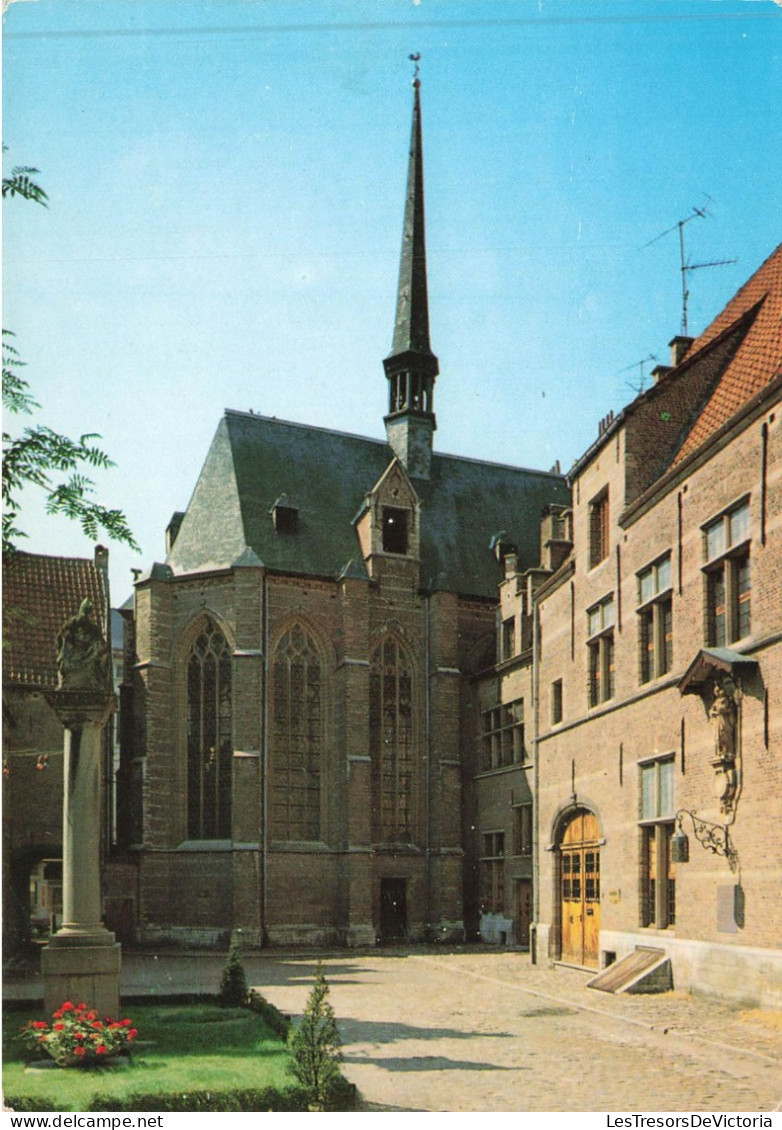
(467, 1030)
(491, 1032)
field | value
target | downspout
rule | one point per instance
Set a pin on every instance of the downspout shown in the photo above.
(535, 776)
(428, 787)
(265, 762)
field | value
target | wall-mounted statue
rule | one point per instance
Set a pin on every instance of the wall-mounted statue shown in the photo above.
(723, 715)
(83, 656)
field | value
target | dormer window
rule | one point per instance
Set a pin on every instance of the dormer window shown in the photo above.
(395, 532)
(285, 516)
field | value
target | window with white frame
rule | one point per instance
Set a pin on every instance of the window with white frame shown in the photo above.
(728, 582)
(600, 645)
(655, 620)
(658, 880)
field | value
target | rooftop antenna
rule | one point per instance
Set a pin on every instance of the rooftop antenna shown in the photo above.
(416, 58)
(639, 385)
(697, 213)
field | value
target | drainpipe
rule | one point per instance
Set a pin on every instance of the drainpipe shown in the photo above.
(533, 941)
(265, 762)
(428, 748)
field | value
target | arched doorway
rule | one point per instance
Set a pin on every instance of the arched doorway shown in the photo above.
(579, 889)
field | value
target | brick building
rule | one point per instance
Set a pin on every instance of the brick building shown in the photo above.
(39, 594)
(654, 660)
(298, 712)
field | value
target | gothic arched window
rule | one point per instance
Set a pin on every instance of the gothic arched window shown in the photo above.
(209, 741)
(391, 742)
(297, 737)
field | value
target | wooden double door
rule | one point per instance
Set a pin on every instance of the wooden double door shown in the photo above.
(579, 889)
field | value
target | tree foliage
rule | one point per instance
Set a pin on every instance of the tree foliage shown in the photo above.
(39, 456)
(316, 1047)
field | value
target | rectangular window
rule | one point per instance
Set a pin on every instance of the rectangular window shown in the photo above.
(508, 643)
(727, 576)
(556, 702)
(598, 529)
(600, 622)
(522, 829)
(503, 741)
(655, 620)
(658, 886)
(493, 873)
(394, 530)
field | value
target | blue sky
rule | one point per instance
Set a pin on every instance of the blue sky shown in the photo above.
(226, 186)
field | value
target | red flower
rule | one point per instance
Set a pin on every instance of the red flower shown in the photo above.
(78, 1035)
(81, 1007)
(67, 1006)
(58, 1027)
(79, 1051)
(97, 1023)
(58, 1014)
(126, 1023)
(40, 1024)
(92, 1014)
(132, 1033)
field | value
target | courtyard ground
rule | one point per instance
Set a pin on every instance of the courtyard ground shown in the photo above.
(483, 1030)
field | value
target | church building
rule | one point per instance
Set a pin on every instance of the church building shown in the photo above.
(301, 709)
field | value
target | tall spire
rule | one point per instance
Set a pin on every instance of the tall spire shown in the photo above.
(411, 367)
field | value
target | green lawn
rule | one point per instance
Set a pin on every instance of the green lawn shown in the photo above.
(179, 1048)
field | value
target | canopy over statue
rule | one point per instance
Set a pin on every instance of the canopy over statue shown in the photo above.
(83, 656)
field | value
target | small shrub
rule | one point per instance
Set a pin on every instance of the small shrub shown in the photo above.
(316, 1047)
(77, 1038)
(233, 983)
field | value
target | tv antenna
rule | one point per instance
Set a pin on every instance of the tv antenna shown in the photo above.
(697, 213)
(638, 385)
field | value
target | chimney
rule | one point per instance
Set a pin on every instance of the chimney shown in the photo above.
(556, 535)
(680, 346)
(660, 371)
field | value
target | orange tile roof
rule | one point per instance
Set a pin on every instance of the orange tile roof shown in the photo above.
(39, 594)
(757, 361)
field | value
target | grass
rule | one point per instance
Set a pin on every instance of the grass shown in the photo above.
(180, 1048)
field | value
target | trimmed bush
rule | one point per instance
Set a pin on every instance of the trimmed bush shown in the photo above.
(278, 1023)
(233, 983)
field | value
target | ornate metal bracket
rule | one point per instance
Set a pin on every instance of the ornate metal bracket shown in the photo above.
(714, 837)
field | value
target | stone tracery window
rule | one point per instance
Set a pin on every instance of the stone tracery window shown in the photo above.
(391, 742)
(209, 743)
(297, 737)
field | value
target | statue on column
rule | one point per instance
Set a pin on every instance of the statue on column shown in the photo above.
(83, 656)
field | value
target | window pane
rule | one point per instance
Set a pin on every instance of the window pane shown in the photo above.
(715, 539)
(608, 613)
(739, 524)
(666, 789)
(647, 585)
(744, 593)
(648, 793)
(664, 575)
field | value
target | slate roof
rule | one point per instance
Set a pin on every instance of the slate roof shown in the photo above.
(756, 362)
(39, 594)
(254, 460)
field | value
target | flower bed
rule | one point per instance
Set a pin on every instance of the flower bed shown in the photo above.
(76, 1037)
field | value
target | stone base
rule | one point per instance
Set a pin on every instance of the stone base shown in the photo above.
(82, 974)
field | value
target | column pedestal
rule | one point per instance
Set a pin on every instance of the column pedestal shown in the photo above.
(82, 962)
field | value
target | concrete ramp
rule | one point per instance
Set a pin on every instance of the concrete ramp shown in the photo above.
(646, 970)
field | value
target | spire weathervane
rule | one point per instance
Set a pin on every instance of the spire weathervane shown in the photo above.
(416, 58)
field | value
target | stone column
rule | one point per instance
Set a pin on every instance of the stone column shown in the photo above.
(82, 961)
